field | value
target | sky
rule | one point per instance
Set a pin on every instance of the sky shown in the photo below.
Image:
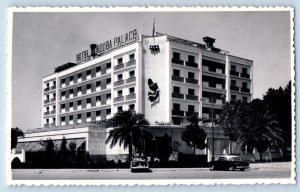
(43, 41)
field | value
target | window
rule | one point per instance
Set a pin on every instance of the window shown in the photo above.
(120, 77)
(108, 81)
(120, 93)
(245, 99)
(78, 116)
(191, 108)
(63, 119)
(120, 109)
(88, 86)
(191, 58)
(233, 83)
(131, 57)
(79, 102)
(98, 113)
(108, 96)
(233, 68)
(233, 97)
(71, 91)
(79, 89)
(54, 83)
(245, 84)
(176, 72)
(71, 78)
(47, 109)
(47, 85)
(176, 55)
(98, 69)
(191, 91)
(71, 105)
(131, 90)
(63, 81)
(108, 111)
(88, 115)
(191, 75)
(54, 95)
(131, 74)
(176, 89)
(88, 100)
(108, 65)
(53, 120)
(176, 107)
(89, 72)
(71, 118)
(120, 61)
(98, 83)
(131, 107)
(245, 70)
(98, 98)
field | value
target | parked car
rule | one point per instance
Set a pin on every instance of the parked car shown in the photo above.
(229, 162)
(139, 162)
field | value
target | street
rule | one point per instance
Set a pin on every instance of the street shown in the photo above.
(256, 171)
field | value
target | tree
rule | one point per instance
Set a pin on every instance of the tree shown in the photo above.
(193, 135)
(233, 120)
(49, 151)
(278, 101)
(129, 129)
(263, 128)
(15, 133)
(63, 150)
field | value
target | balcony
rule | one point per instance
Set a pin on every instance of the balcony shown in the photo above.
(177, 95)
(131, 96)
(177, 61)
(234, 73)
(191, 97)
(192, 81)
(53, 99)
(47, 89)
(178, 112)
(119, 66)
(52, 124)
(190, 113)
(53, 87)
(47, 101)
(234, 88)
(119, 99)
(47, 113)
(246, 90)
(118, 83)
(47, 125)
(130, 63)
(53, 112)
(131, 79)
(191, 64)
(177, 78)
(245, 75)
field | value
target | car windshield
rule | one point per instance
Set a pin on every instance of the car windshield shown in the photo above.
(234, 159)
(140, 158)
(222, 159)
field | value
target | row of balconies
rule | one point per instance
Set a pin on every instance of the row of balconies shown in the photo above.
(187, 63)
(50, 112)
(122, 65)
(87, 106)
(218, 70)
(187, 97)
(243, 89)
(184, 113)
(237, 74)
(52, 100)
(122, 98)
(121, 82)
(187, 80)
(88, 119)
(48, 88)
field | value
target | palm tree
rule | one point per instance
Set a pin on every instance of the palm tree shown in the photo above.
(128, 130)
(263, 130)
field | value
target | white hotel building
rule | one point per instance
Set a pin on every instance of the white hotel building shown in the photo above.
(102, 82)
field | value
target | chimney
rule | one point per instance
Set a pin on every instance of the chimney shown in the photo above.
(93, 50)
(209, 41)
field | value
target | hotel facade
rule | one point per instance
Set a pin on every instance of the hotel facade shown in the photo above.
(163, 77)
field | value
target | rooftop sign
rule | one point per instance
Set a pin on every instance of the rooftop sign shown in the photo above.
(97, 49)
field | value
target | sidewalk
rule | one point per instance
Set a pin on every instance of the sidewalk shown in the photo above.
(271, 165)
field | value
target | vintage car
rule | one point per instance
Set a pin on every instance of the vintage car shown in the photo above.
(139, 162)
(229, 162)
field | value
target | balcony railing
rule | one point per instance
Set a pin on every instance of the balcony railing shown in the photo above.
(234, 88)
(52, 124)
(119, 66)
(53, 112)
(191, 64)
(177, 95)
(178, 112)
(53, 87)
(131, 79)
(130, 63)
(177, 78)
(47, 101)
(131, 96)
(47, 125)
(245, 75)
(177, 61)
(246, 90)
(191, 97)
(192, 81)
(120, 82)
(53, 99)
(118, 99)
(47, 113)
(235, 73)
(190, 113)
(47, 89)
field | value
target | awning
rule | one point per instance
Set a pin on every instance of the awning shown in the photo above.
(34, 146)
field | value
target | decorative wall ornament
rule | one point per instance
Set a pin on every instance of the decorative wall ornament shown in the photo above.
(153, 93)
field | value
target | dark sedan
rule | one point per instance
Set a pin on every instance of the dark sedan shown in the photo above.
(229, 162)
(139, 163)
